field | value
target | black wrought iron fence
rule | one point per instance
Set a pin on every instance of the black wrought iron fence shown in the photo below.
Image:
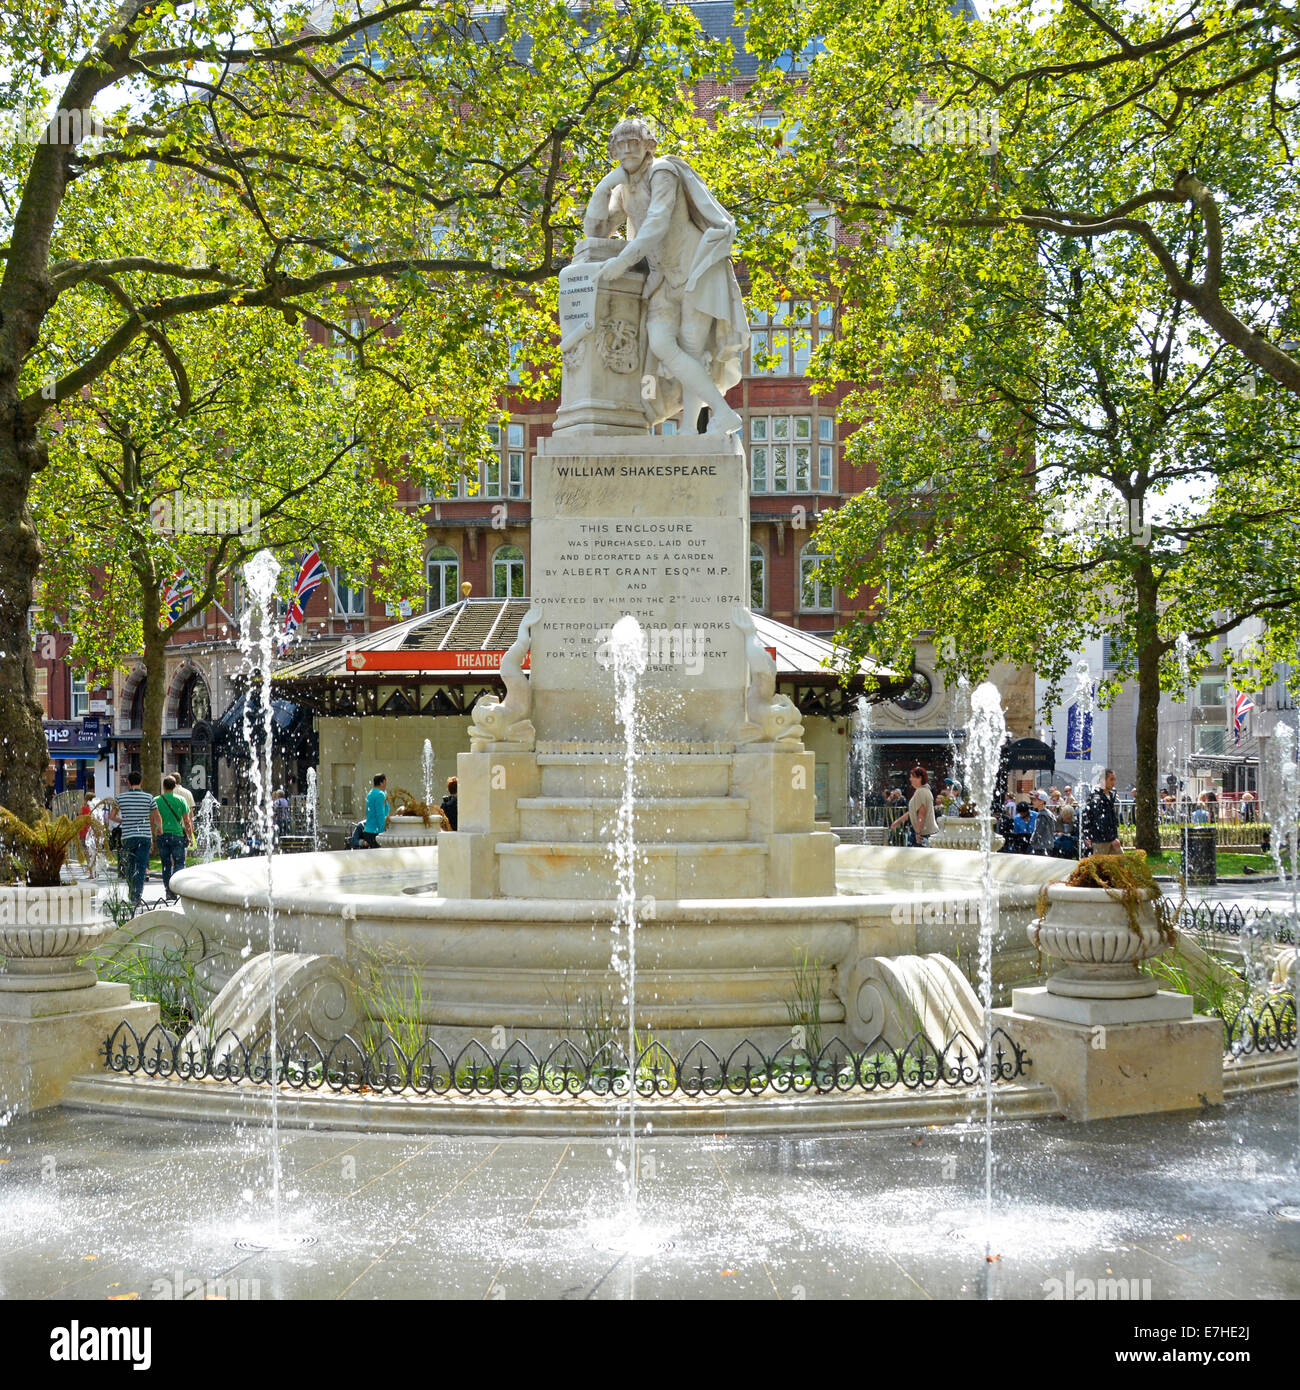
(1269, 1026)
(563, 1068)
(1231, 919)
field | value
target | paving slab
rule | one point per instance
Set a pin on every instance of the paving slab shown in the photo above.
(1183, 1206)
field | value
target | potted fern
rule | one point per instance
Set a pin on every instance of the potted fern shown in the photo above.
(1101, 921)
(45, 924)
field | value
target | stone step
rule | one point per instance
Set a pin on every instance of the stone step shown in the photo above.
(655, 819)
(657, 774)
(553, 869)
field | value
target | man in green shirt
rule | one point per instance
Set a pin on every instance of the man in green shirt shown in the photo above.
(177, 831)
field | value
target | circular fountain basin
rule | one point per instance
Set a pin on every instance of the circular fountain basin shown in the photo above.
(723, 969)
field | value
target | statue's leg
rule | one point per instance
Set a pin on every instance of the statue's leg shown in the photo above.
(682, 359)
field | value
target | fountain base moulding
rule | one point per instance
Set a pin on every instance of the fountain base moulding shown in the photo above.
(49, 1036)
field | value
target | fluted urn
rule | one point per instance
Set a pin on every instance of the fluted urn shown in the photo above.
(43, 934)
(1099, 942)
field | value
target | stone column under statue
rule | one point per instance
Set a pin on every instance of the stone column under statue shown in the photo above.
(655, 525)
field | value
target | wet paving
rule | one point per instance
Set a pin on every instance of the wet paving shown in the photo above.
(1182, 1206)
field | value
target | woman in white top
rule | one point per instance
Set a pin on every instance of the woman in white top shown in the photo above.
(920, 809)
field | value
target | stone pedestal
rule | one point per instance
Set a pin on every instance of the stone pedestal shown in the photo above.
(49, 1036)
(656, 527)
(1119, 1056)
(602, 339)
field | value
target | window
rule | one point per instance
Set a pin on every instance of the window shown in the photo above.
(1210, 694)
(349, 602)
(503, 475)
(814, 591)
(500, 474)
(781, 342)
(79, 701)
(825, 454)
(508, 572)
(443, 574)
(783, 456)
(1211, 740)
(757, 577)
(782, 131)
(43, 688)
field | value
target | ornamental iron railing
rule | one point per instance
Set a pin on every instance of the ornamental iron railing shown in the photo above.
(1231, 919)
(562, 1068)
(1265, 1027)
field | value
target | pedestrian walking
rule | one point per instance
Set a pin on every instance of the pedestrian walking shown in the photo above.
(176, 830)
(1101, 818)
(1044, 831)
(920, 810)
(140, 822)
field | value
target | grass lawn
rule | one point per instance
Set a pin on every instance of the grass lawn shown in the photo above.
(1230, 865)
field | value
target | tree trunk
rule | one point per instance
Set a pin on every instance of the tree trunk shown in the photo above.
(155, 690)
(23, 755)
(1148, 713)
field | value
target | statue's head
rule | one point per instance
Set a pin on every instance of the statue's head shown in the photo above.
(630, 141)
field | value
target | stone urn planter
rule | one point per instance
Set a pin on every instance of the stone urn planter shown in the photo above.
(962, 832)
(409, 830)
(1090, 931)
(43, 932)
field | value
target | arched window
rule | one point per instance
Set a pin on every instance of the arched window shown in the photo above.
(508, 572)
(757, 577)
(814, 591)
(443, 575)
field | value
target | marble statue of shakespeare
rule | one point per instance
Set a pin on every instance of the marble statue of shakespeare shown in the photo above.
(695, 323)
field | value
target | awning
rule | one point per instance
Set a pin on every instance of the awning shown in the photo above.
(464, 642)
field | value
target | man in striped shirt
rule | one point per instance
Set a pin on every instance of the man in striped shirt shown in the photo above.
(140, 823)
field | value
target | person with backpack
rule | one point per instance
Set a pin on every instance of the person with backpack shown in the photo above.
(176, 830)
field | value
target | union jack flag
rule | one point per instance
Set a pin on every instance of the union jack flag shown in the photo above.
(311, 575)
(178, 594)
(1241, 707)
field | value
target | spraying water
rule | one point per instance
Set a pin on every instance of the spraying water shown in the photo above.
(313, 807)
(207, 838)
(988, 731)
(628, 650)
(1285, 811)
(260, 575)
(863, 756)
(1085, 704)
(427, 766)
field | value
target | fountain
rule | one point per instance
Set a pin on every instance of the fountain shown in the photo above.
(426, 767)
(503, 923)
